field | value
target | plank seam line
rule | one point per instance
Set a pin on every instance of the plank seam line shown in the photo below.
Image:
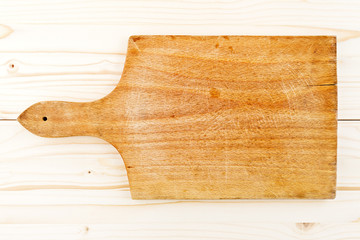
(339, 120)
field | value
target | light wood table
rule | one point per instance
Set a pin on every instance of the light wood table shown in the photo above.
(75, 51)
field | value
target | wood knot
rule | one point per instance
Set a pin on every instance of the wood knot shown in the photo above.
(305, 226)
(12, 67)
(85, 230)
(5, 31)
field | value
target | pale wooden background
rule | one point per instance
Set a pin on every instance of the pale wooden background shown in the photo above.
(75, 50)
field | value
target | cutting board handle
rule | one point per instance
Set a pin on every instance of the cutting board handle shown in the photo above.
(62, 119)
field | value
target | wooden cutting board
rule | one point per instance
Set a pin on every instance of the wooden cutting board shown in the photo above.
(215, 117)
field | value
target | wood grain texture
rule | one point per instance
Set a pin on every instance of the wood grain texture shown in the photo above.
(219, 230)
(315, 13)
(87, 63)
(65, 207)
(87, 170)
(215, 117)
(75, 51)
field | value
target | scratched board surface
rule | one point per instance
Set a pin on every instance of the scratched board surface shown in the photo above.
(215, 117)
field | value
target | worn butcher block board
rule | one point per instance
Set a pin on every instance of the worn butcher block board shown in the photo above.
(215, 117)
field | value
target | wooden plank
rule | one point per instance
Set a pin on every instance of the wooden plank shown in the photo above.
(58, 168)
(72, 158)
(334, 14)
(345, 208)
(183, 230)
(47, 181)
(87, 63)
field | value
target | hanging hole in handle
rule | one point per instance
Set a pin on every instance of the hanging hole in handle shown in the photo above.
(44, 119)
